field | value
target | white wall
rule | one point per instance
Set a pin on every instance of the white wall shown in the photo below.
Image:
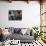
(30, 14)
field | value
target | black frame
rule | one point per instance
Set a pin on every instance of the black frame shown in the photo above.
(15, 15)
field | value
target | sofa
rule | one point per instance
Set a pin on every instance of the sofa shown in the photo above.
(22, 34)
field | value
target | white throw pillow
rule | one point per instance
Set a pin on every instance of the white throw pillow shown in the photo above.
(23, 31)
(5, 32)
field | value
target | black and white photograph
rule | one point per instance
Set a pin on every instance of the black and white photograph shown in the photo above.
(15, 15)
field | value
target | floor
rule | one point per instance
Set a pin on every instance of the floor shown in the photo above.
(35, 43)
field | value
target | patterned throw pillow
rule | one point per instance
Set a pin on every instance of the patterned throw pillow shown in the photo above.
(17, 30)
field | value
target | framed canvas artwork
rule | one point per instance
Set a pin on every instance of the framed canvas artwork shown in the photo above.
(15, 15)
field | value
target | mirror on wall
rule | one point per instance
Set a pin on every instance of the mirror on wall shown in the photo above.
(43, 17)
(44, 22)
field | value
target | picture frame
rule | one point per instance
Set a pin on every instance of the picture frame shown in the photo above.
(15, 15)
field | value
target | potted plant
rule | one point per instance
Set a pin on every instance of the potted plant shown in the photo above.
(37, 33)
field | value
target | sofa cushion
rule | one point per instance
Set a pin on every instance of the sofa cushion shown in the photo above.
(23, 31)
(11, 30)
(17, 30)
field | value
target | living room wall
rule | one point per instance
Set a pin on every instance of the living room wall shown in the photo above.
(30, 14)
